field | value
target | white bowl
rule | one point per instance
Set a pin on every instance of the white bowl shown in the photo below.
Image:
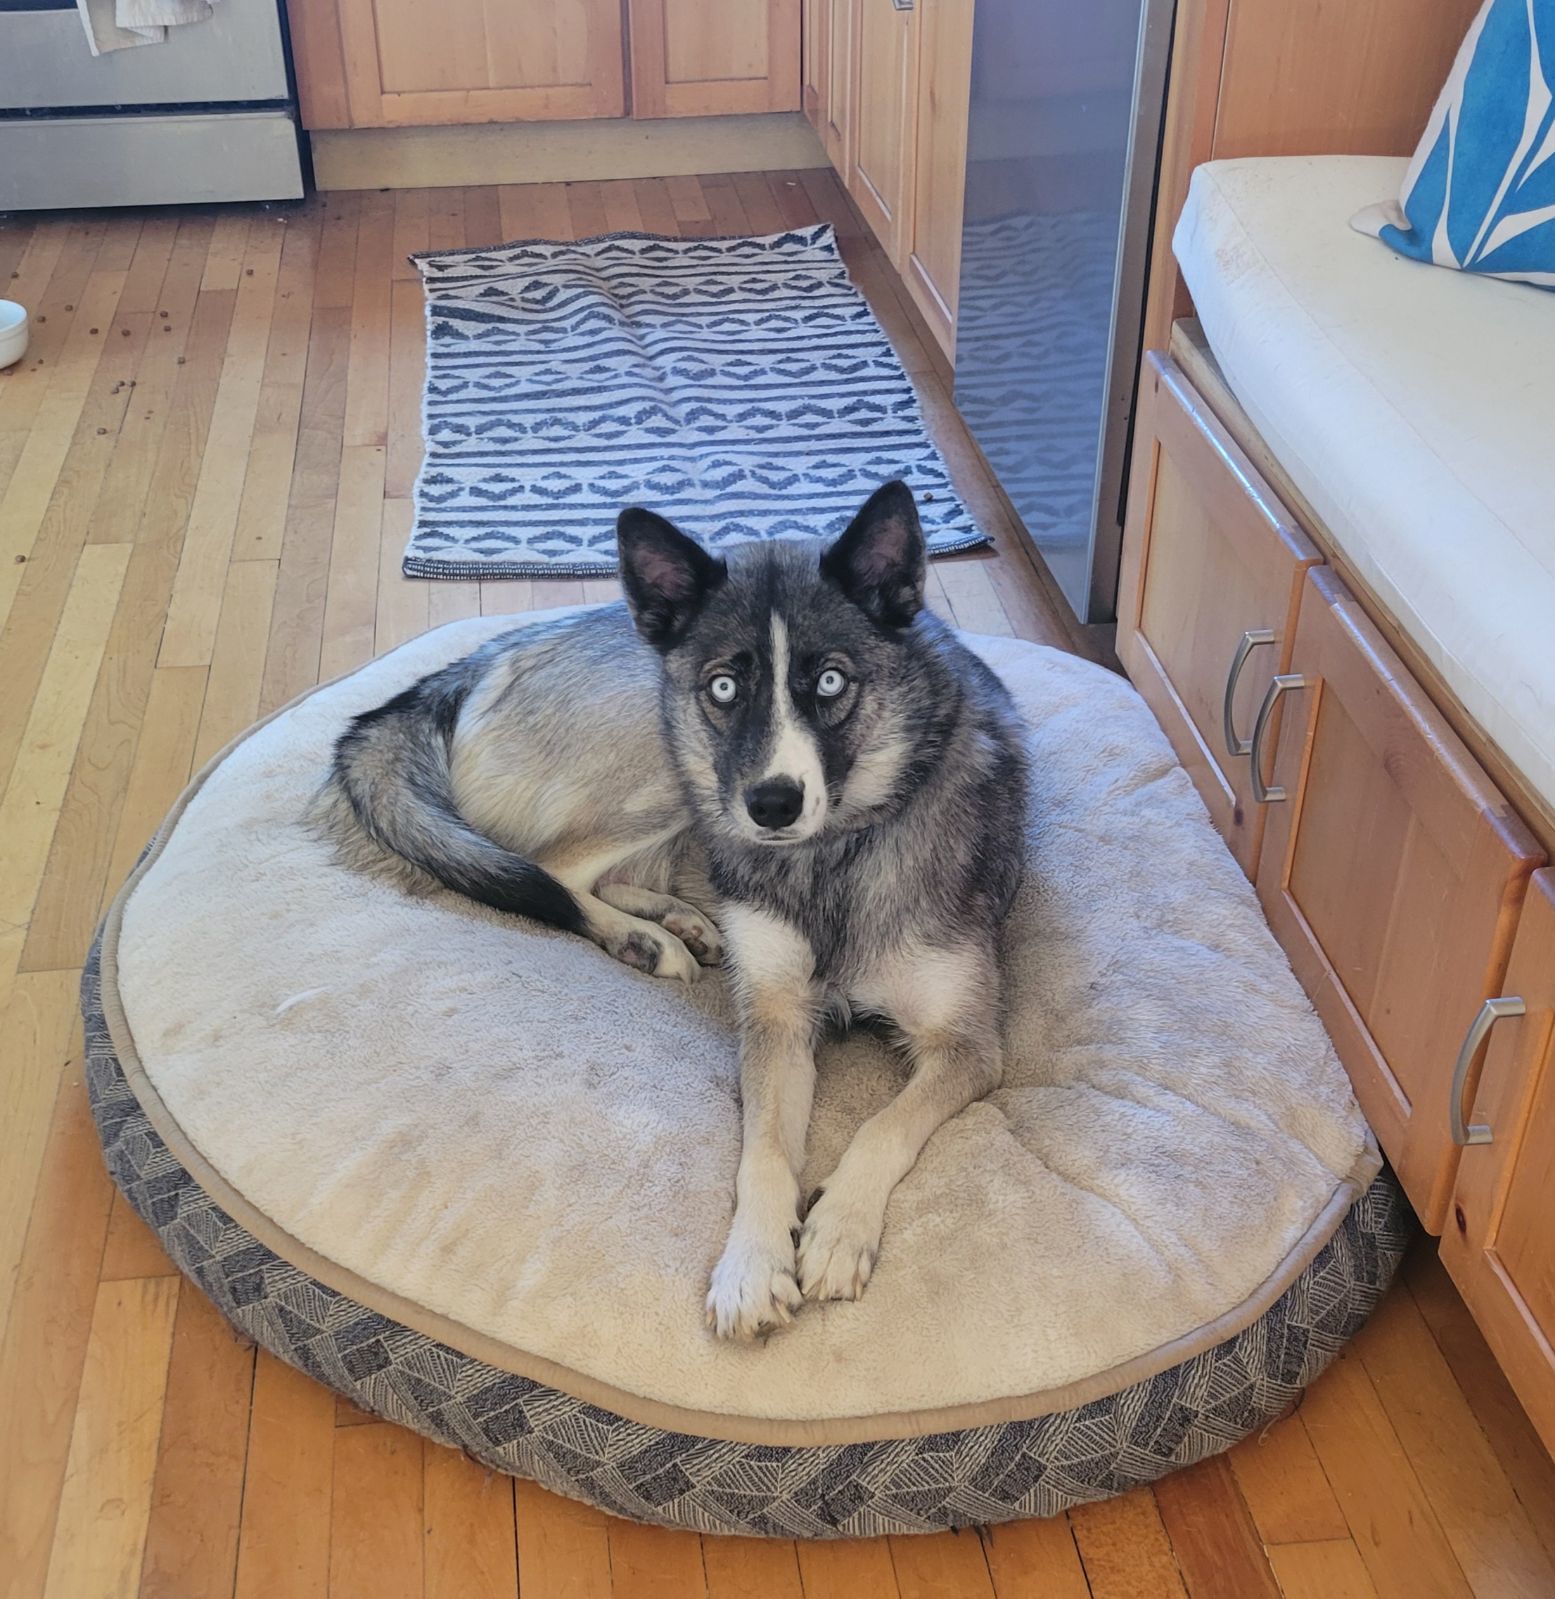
(13, 333)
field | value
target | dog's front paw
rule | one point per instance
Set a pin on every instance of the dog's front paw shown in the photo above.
(754, 1290)
(839, 1244)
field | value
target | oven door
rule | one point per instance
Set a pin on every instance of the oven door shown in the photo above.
(236, 54)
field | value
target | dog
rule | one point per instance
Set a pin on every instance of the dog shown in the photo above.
(779, 761)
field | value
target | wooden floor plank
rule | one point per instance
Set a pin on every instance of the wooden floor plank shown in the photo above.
(197, 1491)
(238, 658)
(471, 1545)
(44, 1347)
(941, 1565)
(1518, 1449)
(585, 211)
(402, 604)
(687, 198)
(622, 213)
(288, 1485)
(164, 758)
(1125, 1549)
(336, 279)
(1035, 1560)
(190, 632)
(563, 1547)
(297, 620)
(1389, 1516)
(482, 217)
(367, 369)
(53, 308)
(1218, 1551)
(37, 472)
(1487, 1526)
(452, 601)
(31, 806)
(131, 1249)
(38, 1025)
(1329, 1570)
(116, 518)
(261, 521)
(407, 379)
(376, 1544)
(412, 211)
(654, 1562)
(355, 552)
(1284, 1486)
(100, 1530)
(751, 1568)
(843, 1569)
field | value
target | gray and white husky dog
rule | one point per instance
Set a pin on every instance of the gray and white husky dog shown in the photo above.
(787, 748)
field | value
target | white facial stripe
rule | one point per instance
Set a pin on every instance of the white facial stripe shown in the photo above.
(794, 752)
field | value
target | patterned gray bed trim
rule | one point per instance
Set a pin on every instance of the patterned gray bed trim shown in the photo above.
(956, 1479)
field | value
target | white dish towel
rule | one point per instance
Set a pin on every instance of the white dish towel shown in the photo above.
(120, 24)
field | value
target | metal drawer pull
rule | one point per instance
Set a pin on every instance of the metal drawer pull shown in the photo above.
(1251, 639)
(1265, 794)
(1473, 1041)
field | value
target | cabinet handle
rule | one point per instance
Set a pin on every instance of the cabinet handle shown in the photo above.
(1268, 794)
(1236, 745)
(903, 5)
(1473, 1041)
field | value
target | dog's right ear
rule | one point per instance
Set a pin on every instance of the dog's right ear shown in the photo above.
(667, 577)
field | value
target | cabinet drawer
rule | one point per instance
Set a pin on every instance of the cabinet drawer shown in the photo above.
(1392, 872)
(1210, 556)
(1500, 1245)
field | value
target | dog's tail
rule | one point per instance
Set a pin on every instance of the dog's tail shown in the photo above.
(392, 769)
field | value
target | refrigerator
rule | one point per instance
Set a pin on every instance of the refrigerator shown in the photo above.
(1063, 155)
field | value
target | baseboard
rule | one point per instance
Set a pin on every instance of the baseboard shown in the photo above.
(562, 152)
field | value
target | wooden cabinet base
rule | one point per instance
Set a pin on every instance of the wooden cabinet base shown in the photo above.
(1499, 1242)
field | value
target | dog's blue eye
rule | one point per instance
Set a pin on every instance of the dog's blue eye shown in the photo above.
(830, 683)
(723, 689)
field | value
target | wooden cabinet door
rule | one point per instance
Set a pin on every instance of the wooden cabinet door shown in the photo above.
(1392, 872)
(944, 100)
(693, 59)
(884, 105)
(394, 63)
(1210, 557)
(815, 47)
(837, 102)
(1500, 1243)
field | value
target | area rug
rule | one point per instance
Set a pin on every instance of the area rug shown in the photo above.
(741, 387)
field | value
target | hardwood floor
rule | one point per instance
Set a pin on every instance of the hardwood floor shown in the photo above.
(205, 469)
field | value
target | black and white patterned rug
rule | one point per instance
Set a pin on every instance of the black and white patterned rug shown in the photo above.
(741, 387)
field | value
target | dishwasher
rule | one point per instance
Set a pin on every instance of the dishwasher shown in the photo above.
(208, 114)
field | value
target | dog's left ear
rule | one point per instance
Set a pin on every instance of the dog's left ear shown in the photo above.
(880, 562)
(667, 577)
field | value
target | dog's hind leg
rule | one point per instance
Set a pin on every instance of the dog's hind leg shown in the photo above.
(635, 938)
(675, 916)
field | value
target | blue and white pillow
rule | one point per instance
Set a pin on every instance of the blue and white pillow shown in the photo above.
(1480, 192)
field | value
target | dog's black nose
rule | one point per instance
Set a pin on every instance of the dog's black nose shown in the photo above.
(775, 803)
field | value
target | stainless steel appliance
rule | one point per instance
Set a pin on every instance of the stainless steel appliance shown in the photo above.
(209, 114)
(1062, 161)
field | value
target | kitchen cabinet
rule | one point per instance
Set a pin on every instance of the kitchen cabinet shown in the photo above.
(944, 92)
(1498, 1243)
(692, 59)
(882, 121)
(392, 63)
(1391, 871)
(1212, 578)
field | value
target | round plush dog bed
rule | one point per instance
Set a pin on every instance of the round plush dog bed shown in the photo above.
(474, 1174)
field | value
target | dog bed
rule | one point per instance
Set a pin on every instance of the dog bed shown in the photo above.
(473, 1174)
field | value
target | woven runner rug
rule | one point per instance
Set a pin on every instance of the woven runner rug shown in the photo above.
(740, 387)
